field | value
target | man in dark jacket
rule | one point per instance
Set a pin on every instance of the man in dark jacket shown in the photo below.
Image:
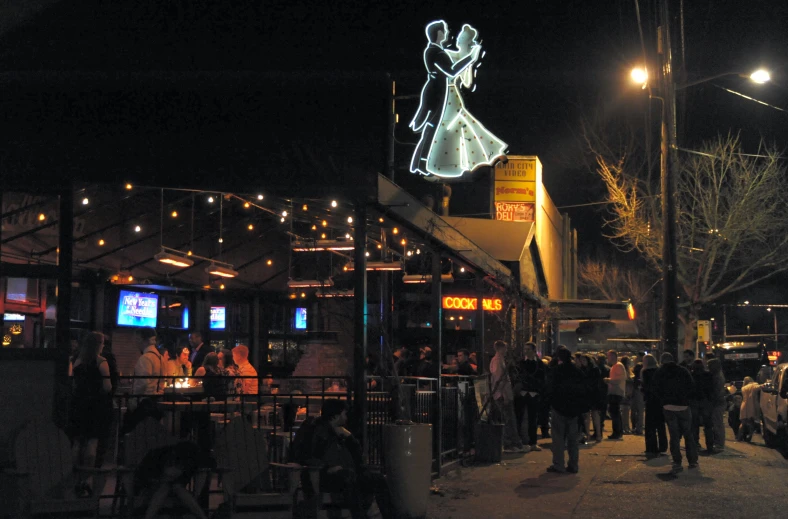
(673, 384)
(528, 394)
(341, 463)
(568, 393)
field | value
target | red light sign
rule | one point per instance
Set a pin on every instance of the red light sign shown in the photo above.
(469, 303)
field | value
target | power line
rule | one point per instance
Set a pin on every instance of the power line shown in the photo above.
(750, 98)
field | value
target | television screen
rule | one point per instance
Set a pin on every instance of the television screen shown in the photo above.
(218, 317)
(300, 319)
(137, 309)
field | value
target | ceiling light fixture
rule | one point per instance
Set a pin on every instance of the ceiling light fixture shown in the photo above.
(175, 260)
(221, 271)
(417, 278)
(310, 283)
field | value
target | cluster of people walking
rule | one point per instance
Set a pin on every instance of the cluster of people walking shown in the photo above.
(665, 402)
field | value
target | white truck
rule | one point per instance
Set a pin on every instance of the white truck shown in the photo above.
(774, 408)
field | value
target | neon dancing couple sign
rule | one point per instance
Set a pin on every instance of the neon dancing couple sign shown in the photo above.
(453, 142)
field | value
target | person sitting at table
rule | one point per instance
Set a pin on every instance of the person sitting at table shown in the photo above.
(342, 472)
(244, 386)
(149, 367)
(212, 377)
(229, 368)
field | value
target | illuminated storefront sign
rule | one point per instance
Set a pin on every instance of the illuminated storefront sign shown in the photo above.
(514, 211)
(453, 142)
(469, 303)
(516, 185)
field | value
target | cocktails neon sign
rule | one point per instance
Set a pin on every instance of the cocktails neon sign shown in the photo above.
(470, 303)
(453, 141)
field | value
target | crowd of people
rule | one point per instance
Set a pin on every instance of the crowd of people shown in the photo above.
(665, 402)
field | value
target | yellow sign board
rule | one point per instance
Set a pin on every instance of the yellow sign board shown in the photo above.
(515, 189)
(516, 169)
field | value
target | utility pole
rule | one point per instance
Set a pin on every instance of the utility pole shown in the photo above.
(667, 170)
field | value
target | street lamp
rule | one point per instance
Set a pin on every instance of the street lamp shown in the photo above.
(667, 167)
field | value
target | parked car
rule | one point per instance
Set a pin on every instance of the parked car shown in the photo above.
(774, 408)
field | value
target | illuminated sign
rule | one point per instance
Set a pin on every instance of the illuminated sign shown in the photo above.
(137, 309)
(515, 189)
(631, 315)
(13, 317)
(300, 319)
(469, 303)
(218, 318)
(453, 142)
(514, 211)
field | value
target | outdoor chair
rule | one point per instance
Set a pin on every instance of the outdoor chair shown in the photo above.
(46, 476)
(250, 482)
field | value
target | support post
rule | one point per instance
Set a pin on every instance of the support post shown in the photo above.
(360, 319)
(437, 345)
(256, 335)
(480, 360)
(65, 260)
(667, 166)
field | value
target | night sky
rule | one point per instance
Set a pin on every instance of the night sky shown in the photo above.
(190, 91)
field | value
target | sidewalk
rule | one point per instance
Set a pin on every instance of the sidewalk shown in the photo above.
(616, 480)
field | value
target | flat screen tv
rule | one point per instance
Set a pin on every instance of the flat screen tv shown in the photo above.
(300, 319)
(218, 317)
(137, 309)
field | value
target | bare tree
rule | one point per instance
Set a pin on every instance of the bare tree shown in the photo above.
(732, 218)
(604, 277)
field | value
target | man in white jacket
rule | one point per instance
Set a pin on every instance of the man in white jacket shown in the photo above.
(616, 386)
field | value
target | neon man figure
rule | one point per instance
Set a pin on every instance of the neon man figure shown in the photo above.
(452, 141)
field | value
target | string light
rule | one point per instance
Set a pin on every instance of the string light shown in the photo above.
(128, 187)
(403, 242)
(380, 219)
(131, 278)
(210, 200)
(323, 236)
(282, 219)
(418, 251)
(462, 269)
(366, 254)
(284, 213)
(380, 246)
(259, 197)
(42, 217)
(250, 227)
(410, 253)
(303, 295)
(347, 235)
(269, 262)
(333, 203)
(189, 253)
(137, 228)
(305, 207)
(395, 230)
(221, 240)
(292, 296)
(349, 219)
(247, 205)
(174, 214)
(221, 287)
(101, 243)
(324, 223)
(314, 227)
(85, 201)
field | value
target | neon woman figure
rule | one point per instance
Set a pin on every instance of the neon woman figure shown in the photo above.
(455, 142)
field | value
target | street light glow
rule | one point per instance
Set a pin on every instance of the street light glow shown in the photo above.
(639, 76)
(760, 76)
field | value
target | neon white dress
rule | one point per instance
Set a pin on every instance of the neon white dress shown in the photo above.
(461, 143)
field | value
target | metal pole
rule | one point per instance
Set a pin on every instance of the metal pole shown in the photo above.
(392, 128)
(480, 324)
(437, 344)
(724, 323)
(775, 328)
(667, 165)
(360, 319)
(65, 260)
